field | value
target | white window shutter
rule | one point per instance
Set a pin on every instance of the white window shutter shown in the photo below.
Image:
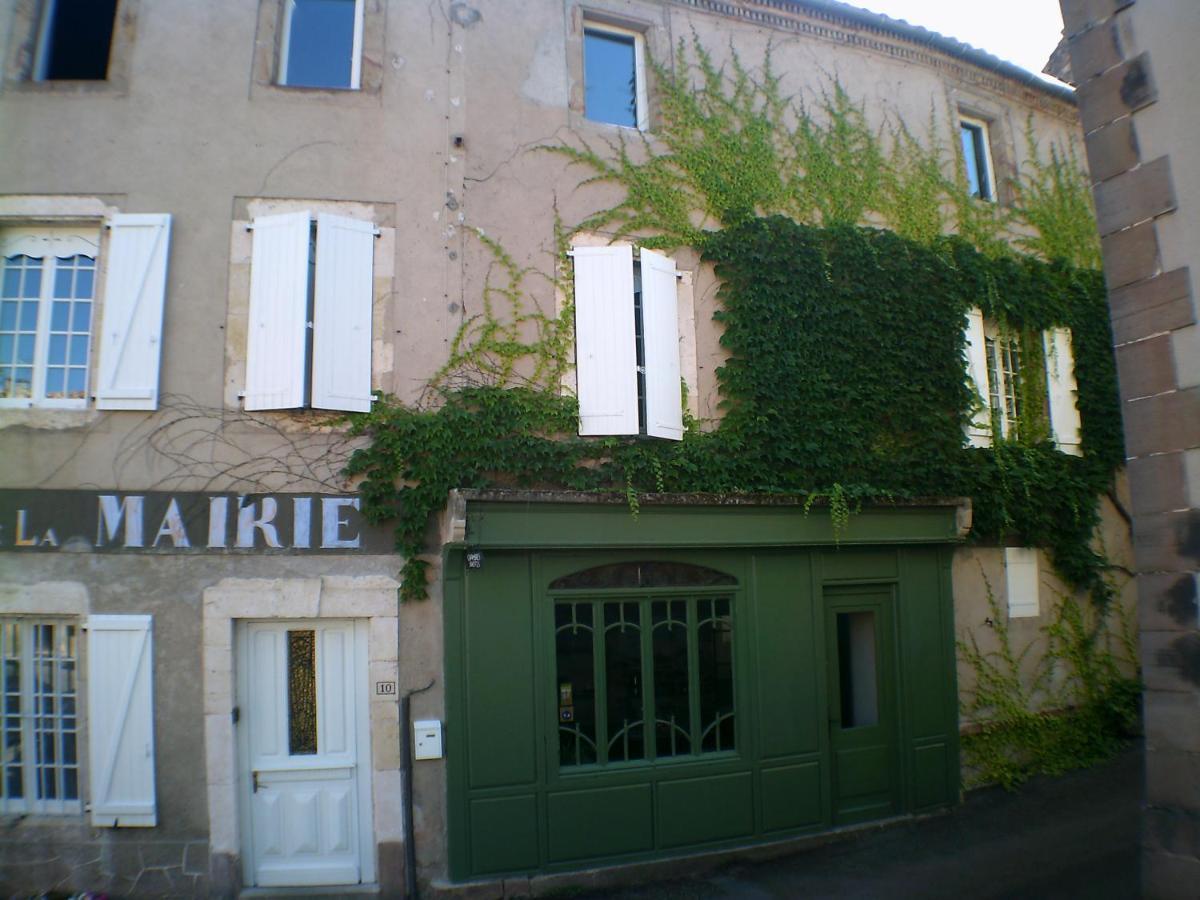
(1021, 581)
(605, 349)
(134, 293)
(121, 720)
(277, 330)
(979, 429)
(660, 334)
(341, 371)
(1062, 388)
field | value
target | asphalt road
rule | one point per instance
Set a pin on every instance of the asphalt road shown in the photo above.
(1070, 837)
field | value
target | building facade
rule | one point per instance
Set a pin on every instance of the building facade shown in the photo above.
(244, 221)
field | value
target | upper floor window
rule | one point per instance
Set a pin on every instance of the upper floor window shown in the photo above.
(322, 44)
(977, 157)
(74, 39)
(614, 78)
(627, 342)
(49, 356)
(994, 371)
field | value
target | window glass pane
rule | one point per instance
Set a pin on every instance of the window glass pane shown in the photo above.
(25, 349)
(302, 692)
(78, 38)
(8, 316)
(610, 78)
(12, 281)
(77, 384)
(623, 681)
(29, 313)
(79, 349)
(714, 654)
(858, 689)
(60, 316)
(58, 349)
(85, 278)
(576, 681)
(672, 697)
(82, 317)
(63, 280)
(7, 346)
(320, 43)
(970, 135)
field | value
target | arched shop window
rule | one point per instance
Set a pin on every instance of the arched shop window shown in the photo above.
(648, 674)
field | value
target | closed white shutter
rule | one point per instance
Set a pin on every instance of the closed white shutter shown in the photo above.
(1021, 581)
(660, 335)
(134, 292)
(1062, 388)
(979, 429)
(277, 330)
(341, 368)
(605, 349)
(121, 720)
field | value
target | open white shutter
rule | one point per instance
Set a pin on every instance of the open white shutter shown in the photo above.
(134, 292)
(1021, 581)
(979, 429)
(605, 349)
(660, 336)
(1061, 387)
(277, 330)
(121, 720)
(341, 371)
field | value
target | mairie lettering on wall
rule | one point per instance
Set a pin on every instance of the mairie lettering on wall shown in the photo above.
(186, 522)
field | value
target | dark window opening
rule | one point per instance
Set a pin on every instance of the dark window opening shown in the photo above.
(975, 149)
(639, 333)
(75, 40)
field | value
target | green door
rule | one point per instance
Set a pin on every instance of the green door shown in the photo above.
(860, 648)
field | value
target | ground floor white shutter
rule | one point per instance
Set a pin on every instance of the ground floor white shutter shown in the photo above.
(277, 330)
(341, 371)
(120, 692)
(605, 341)
(660, 335)
(1062, 388)
(1021, 581)
(979, 429)
(134, 293)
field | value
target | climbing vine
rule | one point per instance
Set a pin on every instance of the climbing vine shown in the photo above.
(844, 380)
(1068, 707)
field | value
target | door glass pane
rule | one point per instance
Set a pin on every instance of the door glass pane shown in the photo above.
(714, 636)
(576, 680)
(672, 707)
(302, 692)
(623, 681)
(643, 574)
(856, 669)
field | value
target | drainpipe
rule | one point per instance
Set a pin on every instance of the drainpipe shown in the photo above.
(406, 780)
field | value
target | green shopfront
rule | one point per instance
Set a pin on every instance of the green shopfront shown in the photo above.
(702, 675)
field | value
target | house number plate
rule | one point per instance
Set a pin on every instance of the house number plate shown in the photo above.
(385, 687)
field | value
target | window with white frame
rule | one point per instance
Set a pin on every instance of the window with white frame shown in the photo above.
(614, 77)
(1021, 582)
(74, 40)
(627, 342)
(977, 157)
(48, 299)
(994, 365)
(321, 44)
(39, 728)
(308, 340)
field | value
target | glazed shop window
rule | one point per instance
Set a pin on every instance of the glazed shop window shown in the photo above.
(322, 44)
(614, 78)
(39, 724)
(643, 679)
(48, 295)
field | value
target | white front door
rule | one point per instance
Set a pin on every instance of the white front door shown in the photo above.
(304, 740)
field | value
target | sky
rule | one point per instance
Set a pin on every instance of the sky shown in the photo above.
(1024, 32)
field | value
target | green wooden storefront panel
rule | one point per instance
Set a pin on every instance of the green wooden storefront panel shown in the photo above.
(504, 834)
(703, 810)
(929, 782)
(792, 797)
(499, 657)
(786, 645)
(597, 823)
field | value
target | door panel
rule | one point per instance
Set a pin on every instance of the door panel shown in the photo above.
(302, 766)
(860, 647)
